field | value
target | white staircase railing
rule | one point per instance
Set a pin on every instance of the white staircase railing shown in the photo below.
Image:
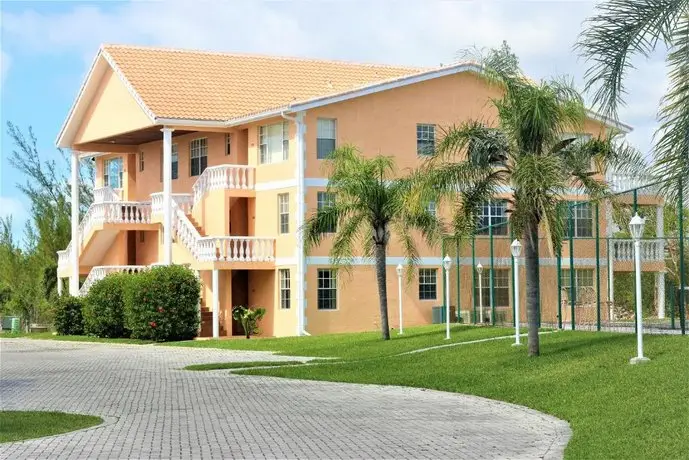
(100, 272)
(230, 177)
(103, 194)
(651, 250)
(183, 200)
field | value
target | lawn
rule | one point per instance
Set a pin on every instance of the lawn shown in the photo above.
(70, 338)
(239, 365)
(616, 410)
(20, 425)
(358, 346)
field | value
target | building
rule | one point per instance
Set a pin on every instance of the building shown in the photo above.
(213, 160)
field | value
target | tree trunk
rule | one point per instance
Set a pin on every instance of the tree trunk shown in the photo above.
(381, 277)
(533, 288)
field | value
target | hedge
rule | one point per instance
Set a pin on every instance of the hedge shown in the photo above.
(104, 306)
(162, 304)
(68, 318)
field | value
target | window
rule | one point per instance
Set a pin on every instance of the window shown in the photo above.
(501, 287)
(273, 141)
(324, 200)
(112, 173)
(141, 161)
(493, 213)
(175, 163)
(327, 289)
(425, 139)
(325, 141)
(579, 138)
(582, 221)
(284, 288)
(431, 208)
(228, 147)
(283, 213)
(583, 280)
(428, 283)
(198, 155)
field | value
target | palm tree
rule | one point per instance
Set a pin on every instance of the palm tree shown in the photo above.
(367, 203)
(525, 148)
(622, 29)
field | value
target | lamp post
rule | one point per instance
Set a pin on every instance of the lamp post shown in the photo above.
(447, 264)
(516, 248)
(399, 294)
(636, 228)
(479, 270)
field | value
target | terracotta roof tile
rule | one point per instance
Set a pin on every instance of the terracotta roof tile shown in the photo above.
(201, 85)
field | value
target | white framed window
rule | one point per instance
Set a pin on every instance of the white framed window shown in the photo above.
(493, 213)
(501, 287)
(582, 220)
(228, 147)
(326, 137)
(175, 163)
(428, 283)
(323, 200)
(198, 156)
(273, 143)
(285, 293)
(327, 289)
(583, 281)
(283, 212)
(112, 172)
(425, 139)
(141, 161)
(579, 138)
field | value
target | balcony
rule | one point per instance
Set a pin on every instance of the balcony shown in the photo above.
(651, 250)
(182, 200)
(225, 177)
(623, 183)
(106, 194)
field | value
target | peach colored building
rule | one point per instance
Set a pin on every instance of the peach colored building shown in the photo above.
(213, 161)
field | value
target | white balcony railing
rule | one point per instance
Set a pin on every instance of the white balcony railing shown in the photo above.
(236, 249)
(182, 200)
(100, 272)
(651, 250)
(224, 177)
(103, 194)
(624, 182)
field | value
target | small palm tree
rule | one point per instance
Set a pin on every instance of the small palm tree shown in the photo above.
(624, 28)
(525, 148)
(368, 204)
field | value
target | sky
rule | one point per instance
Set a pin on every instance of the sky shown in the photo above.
(46, 48)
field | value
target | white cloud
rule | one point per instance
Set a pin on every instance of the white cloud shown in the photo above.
(401, 32)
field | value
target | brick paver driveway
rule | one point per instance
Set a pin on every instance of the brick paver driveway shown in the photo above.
(155, 410)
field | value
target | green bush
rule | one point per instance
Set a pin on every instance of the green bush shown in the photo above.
(162, 304)
(248, 318)
(104, 306)
(68, 319)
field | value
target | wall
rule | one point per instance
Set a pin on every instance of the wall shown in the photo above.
(262, 294)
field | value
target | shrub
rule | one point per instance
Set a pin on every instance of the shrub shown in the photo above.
(104, 306)
(162, 304)
(248, 318)
(68, 319)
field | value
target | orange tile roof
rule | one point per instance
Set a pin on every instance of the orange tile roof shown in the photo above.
(201, 85)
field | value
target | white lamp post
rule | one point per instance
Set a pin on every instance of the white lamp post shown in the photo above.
(636, 228)
(479, 269)
(516, 248)
(399, 294)
(447, 264)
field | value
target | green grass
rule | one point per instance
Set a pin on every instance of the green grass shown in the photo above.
(20, 425)
(217, 366)
(70, 338)
(616, 410)
(357, 346)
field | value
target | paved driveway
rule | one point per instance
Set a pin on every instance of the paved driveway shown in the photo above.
(155, 410)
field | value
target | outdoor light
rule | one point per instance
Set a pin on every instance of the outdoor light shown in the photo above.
(636, 228)
(399, 294)
(516, 248)
(479, 269)
(447, 263)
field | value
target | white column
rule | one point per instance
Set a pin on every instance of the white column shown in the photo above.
(76, 240)
(660, 290)
(59, 286)
(611, 256)
(216, 304)
(300, 151)
(516, 301)
(167, 195)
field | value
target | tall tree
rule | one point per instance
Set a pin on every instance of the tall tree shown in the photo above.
(526, 148)
(623, 29)
(368, 203)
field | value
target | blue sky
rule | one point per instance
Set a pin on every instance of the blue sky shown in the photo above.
(48, 46)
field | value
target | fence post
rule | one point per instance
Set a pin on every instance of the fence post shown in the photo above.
(635, 195)
(473, 277)
(572, 277)
(559, 286)
(680, 218)
(514, 311)
(492, 277)
(442, 255)
(459, 301)
(597, 269)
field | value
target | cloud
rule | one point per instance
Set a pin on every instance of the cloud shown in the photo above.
(395, 31)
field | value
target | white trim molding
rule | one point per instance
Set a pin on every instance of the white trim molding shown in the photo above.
(275, 185)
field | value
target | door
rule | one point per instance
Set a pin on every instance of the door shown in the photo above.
(240, 296)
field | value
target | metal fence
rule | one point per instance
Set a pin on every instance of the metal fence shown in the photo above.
(589, 282)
